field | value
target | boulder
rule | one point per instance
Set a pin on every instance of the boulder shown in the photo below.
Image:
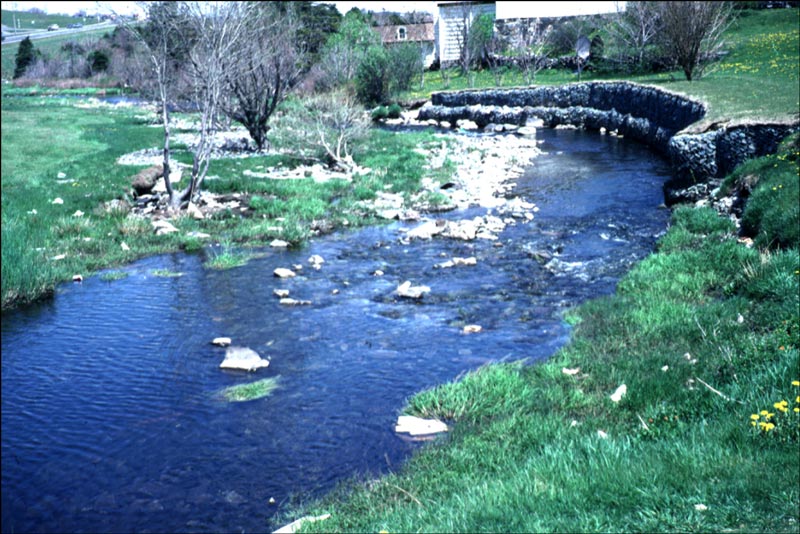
(278, 243)
(221, 341)
(145, 180)
(163, 227)
(282, 272)
(406, 290)
(243, 359)
(280, 293)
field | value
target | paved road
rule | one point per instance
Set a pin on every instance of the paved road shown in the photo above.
(40, 34)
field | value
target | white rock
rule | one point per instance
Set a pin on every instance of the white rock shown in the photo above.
(426, 230)
(280, 293)
(59, 257)
(602, 434)
(281, 272)
(377, 272)
(465, 261)
(570, 372)
(194, 212)
(700, 507)
(77, 278)
(316, 261)
(472, 329)
(124, 246)
(619, 393)
(417, 426)
(665, 368)
(406, 290)
(62, 175)
(163, 227)
(58, 201)
(279, 243)
(78, 213)
(243, 359)
(294, 526)
(221, 341)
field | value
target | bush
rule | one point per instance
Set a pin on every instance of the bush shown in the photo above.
(98, 61)
(394, 111)
(380, 113)
(372, 77)
(26, 55)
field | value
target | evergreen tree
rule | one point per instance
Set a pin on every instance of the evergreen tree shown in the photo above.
(25, 56)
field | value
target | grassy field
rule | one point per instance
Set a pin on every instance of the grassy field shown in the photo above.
(39, 21)
(46, 242)
(759, 79)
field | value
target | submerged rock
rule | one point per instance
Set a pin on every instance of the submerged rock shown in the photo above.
(242, 358)
(406, 290)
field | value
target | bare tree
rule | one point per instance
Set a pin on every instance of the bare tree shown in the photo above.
(531, 49)
(339, 120)
(635, 29)
(269, 66)
(692, 32)
(220, 30)
(164, 43)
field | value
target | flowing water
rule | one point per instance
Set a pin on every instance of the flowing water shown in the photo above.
(111, 418)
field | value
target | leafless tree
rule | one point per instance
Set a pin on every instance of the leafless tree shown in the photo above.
(220, 34)
(339, 120)
(531, 48)
(162, 42)
(635, 29)
(692, 32)
(268, 67)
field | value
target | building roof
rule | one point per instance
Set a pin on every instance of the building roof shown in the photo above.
(414, 33)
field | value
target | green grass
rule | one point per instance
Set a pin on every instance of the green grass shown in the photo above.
(251, 391)
(83, 145)
(39, 21)
(705, 334)
(758, 79)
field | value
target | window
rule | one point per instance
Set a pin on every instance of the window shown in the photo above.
(401, 34)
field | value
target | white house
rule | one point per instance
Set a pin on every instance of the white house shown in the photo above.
(450, 17)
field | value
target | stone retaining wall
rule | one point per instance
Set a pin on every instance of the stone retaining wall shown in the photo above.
(645, 113)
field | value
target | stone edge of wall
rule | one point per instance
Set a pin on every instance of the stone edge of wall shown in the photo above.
(646, 113)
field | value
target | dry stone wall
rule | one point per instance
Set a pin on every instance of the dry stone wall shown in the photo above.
(645, 113)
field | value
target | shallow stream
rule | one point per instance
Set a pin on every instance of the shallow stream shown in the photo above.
(111, 418)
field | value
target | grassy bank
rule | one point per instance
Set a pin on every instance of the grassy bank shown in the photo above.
(758, 79)
(59, 169)
(704, 334)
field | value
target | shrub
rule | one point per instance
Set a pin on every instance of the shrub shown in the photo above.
(98, 61)
(372, 76)
(394, 111)
(26, 55)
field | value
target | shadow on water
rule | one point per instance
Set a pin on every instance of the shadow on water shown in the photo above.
(111, 418)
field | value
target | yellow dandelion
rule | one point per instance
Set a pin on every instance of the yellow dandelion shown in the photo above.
(796, 383)
(783, 406)
(797, 410)
(754, 417)
(764, 412)
(797, 400)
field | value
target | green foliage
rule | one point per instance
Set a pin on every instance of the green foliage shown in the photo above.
(99, 61)
(251, 391)
(772, 214)
(394, 111)
(372, 76)
(405, 65)
(26, 55)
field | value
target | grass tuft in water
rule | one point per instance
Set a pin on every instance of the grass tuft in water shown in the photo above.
(166, 273)
(114, 275)
(252, 391)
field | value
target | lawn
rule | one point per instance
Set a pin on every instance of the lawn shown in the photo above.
(758, 80)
